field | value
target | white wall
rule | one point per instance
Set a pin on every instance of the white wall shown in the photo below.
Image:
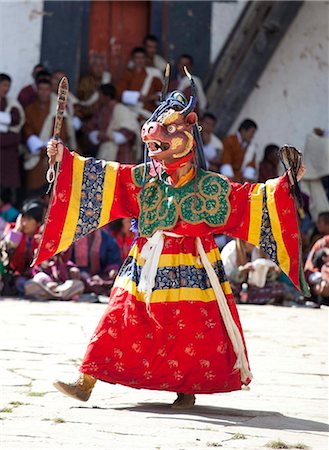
(291, 97)
(20, 40)
(223, 18)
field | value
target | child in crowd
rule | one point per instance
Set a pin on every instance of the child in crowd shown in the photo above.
(120, 229)
(17, 247)
(7, 211)
(54, 279)
(97, 256)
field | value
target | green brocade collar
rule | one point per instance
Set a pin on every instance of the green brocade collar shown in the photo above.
(164, 205)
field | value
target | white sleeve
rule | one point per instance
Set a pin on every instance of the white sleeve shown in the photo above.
(34, 144)
(249, 173)
(5, 118)
(94, 137)
(119, 138)
(130, 97)
(76, 122)
(226, 169)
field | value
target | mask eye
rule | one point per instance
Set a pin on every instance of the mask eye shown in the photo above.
(171, 128)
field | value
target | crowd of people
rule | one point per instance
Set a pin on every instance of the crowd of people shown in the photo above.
(103, 120)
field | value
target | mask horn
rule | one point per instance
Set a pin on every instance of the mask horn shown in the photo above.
(192, 101)
(166, 83)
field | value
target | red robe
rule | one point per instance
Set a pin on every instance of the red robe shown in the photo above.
(181, 343)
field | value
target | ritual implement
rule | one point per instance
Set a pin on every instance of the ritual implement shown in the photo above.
(62, 94)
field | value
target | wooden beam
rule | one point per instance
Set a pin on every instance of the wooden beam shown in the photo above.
(245, 56)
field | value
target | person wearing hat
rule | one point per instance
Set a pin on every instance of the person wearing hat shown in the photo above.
(19, 242)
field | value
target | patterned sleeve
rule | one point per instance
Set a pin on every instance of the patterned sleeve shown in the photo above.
(264, 214)
(88, 194)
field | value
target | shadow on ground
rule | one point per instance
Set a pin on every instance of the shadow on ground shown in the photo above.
(225, 416)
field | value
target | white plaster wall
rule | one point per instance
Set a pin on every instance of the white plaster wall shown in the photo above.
(291, 97)
(20, 40)
(223, 18)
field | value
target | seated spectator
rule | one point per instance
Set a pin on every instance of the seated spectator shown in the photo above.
(87, 90)
(37, 131)
(113, 128)
(322, 227)
(11, 121)
(54, 279)
(28, 94)
(183, 84)
(317, 270)
(153, 59)
(269, 166)
(7, 211)
(18, 244)
(120, 229)
(212, 146)
(140, 86)
(97, 256)
(248, 267)
(239, 157)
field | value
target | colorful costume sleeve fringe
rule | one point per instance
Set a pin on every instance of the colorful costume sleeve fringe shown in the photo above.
(264, 214)
(88, 194)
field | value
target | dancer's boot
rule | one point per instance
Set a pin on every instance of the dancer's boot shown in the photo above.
(80, 390)
(184, 401)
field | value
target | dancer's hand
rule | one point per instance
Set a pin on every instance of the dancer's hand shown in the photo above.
(55, 150)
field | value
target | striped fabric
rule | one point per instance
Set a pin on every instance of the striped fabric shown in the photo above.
(180, 276)
(82, 202)
(273, 226)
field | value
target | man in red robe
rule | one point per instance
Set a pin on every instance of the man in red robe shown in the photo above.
(171, 323)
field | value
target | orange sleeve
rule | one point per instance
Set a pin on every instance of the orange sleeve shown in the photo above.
(123, 84)
(228, 151)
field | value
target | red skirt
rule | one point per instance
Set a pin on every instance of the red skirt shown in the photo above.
(182, 345)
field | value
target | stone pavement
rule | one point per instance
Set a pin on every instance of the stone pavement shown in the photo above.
(286, 406)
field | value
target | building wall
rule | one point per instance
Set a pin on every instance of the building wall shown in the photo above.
(20, 40)
(223, 17)
(291, 97)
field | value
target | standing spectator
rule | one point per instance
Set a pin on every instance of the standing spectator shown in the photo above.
(11, 121)
(316, 159)
(183, 84)
(239, 158)
(113, 128)
(269, 166)
(37, 131)
(151, 48)
(140, 86)
(212, 146)
(88, 96)
(28, 94)
(72, 122)
(87, 91)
